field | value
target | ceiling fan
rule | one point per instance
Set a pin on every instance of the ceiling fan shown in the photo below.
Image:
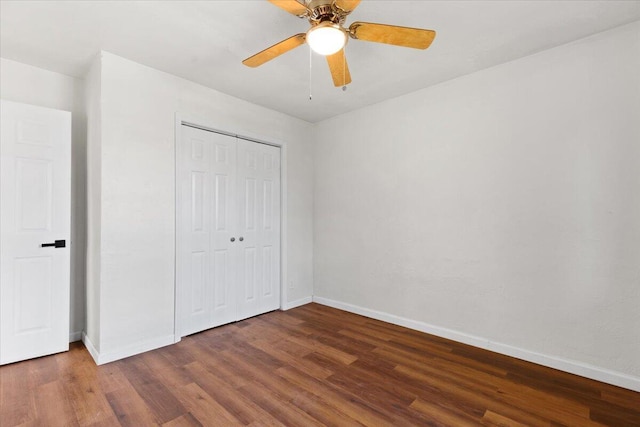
(327, 35)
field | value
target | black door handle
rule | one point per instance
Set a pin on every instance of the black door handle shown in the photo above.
(56, 244)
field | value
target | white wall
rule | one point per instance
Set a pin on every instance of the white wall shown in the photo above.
(93, 99)
(31, 85)
(137, 192)
(501, 208)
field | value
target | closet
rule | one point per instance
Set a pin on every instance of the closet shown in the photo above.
(228, 229)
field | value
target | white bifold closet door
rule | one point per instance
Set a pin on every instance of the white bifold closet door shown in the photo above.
(228, 229)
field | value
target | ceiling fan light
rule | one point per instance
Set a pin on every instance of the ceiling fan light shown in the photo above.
(326, 38)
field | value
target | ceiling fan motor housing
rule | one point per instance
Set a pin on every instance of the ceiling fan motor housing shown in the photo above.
(325, 11)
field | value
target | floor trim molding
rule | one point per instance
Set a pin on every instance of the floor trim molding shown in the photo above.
(571, 366)
(297, 303)
(90, 347)
(127, 351)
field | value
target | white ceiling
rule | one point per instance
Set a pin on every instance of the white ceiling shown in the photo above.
(205, 42)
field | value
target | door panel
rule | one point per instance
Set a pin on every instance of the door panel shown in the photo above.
(35, 188)
(196, 191)
(223, 169)
(221, 282)
(206, 176)
(198, 200)
(198, 294)
(259, 205)
(34, 178)
(221, 201)
(249, 262)
(267, 204)
(33, 276)
(267, 268)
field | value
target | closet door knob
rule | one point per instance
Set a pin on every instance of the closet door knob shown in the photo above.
(241, 239)
(233, 239)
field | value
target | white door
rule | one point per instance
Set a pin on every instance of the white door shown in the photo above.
(35, 186)
(206, 262)
(258, 228)
(228, 214)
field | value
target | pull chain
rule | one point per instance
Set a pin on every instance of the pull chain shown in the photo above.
(344, 69)
(310, 67)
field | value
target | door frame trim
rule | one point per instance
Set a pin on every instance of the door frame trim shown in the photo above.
(230, 130)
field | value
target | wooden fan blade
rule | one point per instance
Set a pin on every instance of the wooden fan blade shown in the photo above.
(274, 51)
(347, 5)
(291, 6)
(392, 34)
(339, 68)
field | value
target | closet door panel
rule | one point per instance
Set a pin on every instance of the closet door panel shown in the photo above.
(206, 212)
(269, 241)
(249, 258)
(259, 211)
(195, 226)
(224, 265)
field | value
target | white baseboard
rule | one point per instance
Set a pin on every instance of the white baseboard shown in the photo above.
(75, 336)
(571, 366)
(297, 303)
(90, 347)
(127, 351)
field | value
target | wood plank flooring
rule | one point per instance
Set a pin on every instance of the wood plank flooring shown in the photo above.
(309, 366)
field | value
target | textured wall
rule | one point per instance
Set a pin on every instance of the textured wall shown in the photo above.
(503, 205)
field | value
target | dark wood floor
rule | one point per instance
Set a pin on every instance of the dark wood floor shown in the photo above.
(309, 366)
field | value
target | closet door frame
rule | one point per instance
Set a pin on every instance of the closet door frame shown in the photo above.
(208, 125)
